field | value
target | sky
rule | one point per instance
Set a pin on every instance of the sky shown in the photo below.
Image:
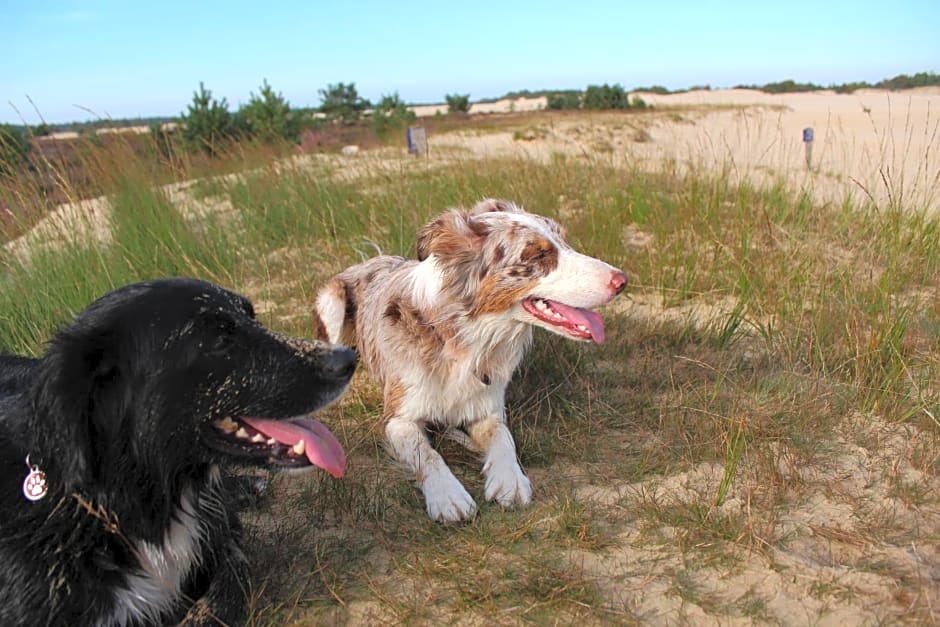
(68, 60)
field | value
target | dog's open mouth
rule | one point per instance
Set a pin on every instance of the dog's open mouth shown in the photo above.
(578, 323)
(288, 443)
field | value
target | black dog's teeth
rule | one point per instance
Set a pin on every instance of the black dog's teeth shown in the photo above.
(226, 424)
(230, 427)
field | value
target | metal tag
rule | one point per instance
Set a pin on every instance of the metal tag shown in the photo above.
(34, 486)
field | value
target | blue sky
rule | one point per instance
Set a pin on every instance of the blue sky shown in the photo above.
(81, 59)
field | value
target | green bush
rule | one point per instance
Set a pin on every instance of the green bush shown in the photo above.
(14, 148)
(268, 117)
(208, 124)
(342, 102)
(568, 99)
(458, 103)
(903, 81)
(606, 96)
(391, 114)
(654, 89)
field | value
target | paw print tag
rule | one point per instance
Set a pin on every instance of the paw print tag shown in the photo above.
(34, 486)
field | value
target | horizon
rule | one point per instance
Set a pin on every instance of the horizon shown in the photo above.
(74, 61)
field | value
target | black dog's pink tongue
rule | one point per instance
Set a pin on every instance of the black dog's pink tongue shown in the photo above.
(320, 445)
(590, 319)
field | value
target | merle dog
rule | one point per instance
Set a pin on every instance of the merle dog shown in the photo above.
(114, 510)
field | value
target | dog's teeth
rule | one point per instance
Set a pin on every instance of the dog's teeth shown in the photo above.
(300, 447)
(540, 305)
(271, 442)
(581, 327)
(241, 433)
(226, 424)
(257, 438)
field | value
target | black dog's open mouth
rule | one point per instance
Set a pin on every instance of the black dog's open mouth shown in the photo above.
(287, 443)
(581, 324)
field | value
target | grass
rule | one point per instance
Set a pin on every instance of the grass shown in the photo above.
(756, 324)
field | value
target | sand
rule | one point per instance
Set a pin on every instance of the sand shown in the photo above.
(873, 145)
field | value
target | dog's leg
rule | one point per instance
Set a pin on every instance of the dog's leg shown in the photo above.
(225, 601)
(445, 498)
(505, 482)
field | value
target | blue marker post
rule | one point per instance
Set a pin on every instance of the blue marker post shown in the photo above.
(808, 142)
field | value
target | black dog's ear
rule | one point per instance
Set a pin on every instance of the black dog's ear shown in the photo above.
(65, 403)
(452, 235)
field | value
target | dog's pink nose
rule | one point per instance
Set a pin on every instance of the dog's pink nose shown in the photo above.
(618, 281)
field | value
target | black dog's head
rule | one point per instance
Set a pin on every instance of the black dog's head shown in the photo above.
(164, 377)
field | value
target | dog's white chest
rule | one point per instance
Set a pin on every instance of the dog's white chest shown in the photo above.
(155, 588)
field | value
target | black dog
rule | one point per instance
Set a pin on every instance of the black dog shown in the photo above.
(112, 505)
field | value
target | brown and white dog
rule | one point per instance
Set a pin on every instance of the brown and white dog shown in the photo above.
(444, 334)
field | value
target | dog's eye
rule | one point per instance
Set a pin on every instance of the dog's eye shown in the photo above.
(219, 331)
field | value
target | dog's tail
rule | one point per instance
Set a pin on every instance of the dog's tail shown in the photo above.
(335, 313)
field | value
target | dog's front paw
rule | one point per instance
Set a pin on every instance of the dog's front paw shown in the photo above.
(446, 499)
(507, 485)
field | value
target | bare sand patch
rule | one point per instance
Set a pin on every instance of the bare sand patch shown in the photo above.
(833, 563)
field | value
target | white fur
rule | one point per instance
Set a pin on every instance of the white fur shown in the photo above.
(332, 317)
(155, 588)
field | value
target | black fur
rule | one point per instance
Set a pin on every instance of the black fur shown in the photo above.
(119, 415)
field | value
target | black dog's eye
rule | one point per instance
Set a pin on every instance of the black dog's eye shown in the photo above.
(218, 331)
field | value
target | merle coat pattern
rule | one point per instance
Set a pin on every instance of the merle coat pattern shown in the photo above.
(443, 334)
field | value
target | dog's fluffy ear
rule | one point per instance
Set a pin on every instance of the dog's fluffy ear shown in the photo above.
(495, 204)
(454, 235)
(69, 395)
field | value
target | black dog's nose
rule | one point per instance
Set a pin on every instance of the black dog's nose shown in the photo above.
(341, 363)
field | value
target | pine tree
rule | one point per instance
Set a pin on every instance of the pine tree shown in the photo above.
(208, 124)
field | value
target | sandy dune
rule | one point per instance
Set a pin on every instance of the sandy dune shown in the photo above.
(873, 144)
(870, 143)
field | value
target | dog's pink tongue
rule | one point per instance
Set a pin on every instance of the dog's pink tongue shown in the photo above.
(321, 446)
(590, 319)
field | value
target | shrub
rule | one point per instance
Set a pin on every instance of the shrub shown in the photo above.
(606, 97)
(268, 116)
(568, 99)
(458, 103)
(208, 123)
(391, 114)
(14, 148)
(903, 81)
(342, 102)
(654, 89)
